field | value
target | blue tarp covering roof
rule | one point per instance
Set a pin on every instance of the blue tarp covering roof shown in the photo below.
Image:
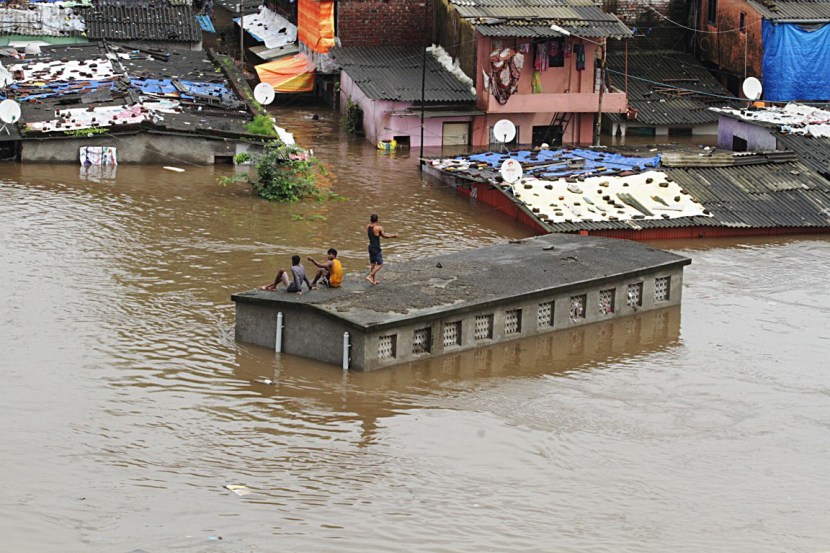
(796, 63)
(165, 86)
(205, 23)
(57, 88)
(559, 163)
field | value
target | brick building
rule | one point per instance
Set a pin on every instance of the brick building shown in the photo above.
(384, 22)
(654, 23)
(743, 38)
(373, 22)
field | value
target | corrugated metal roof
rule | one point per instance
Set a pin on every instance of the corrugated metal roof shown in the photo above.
(533, 29)
(157, 23)
(653, 76)
(812, 152)
(768, 195)
(533, 18)
(812, 10)
(759, 195)
(394, 73)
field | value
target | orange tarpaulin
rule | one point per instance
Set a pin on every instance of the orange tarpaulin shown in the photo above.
(290, 74)
(315, 24)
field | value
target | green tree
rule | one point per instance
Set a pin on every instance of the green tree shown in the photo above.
(284, 173)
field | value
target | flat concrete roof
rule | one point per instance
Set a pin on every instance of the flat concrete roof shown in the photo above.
(472, 279)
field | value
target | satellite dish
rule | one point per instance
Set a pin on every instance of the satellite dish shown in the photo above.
(504, 130)
(511, 170)
(9, 111)
(264, 93)
(752, 88)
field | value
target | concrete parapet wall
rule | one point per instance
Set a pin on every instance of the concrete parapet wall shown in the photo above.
(147, 148)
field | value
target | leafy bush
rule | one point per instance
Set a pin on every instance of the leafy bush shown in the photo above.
(261, 124)
(284, 173)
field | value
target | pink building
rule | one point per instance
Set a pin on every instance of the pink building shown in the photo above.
(535, 62)
(381, 92)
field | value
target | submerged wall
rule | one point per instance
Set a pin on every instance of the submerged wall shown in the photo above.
(143, 147)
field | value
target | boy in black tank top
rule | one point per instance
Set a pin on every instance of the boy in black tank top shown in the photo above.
(375, 232)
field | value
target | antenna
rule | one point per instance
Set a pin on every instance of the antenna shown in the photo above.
(752, 88)
(504, 130)
(9, 113)
(264, 93)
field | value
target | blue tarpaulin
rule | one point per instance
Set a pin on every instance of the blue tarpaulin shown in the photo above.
(796, 64)
(205, 23)
(166, 87)
(558, 163)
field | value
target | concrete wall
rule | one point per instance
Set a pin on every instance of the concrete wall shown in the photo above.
(457, 36)
(580, 129)
(564, 90)
(310, 333)
(759, 139)
(709, 129)
(144, 147)
(529, 326)
(304, 331)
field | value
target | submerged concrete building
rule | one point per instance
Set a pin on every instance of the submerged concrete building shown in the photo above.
(466, 300)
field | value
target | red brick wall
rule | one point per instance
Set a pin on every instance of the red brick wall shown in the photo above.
(383, 22)
(724, 45)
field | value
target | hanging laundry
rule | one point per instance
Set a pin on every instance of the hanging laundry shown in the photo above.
(579, 53)
(541, 61)
(556, 53)
(505, 70)
(567, 49)
(524, 48)
(536, 84)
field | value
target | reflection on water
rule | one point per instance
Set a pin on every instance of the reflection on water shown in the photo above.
(558, 353)
(127, 406)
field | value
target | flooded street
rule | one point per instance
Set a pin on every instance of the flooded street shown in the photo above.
(127, 405)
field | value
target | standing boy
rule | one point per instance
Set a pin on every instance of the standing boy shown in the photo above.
(298, 274)
(375, 232)
(331, 271)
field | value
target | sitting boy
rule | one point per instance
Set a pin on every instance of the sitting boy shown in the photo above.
(298, 274)
(330, 273)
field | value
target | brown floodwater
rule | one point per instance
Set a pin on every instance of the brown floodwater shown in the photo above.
(127, 405)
